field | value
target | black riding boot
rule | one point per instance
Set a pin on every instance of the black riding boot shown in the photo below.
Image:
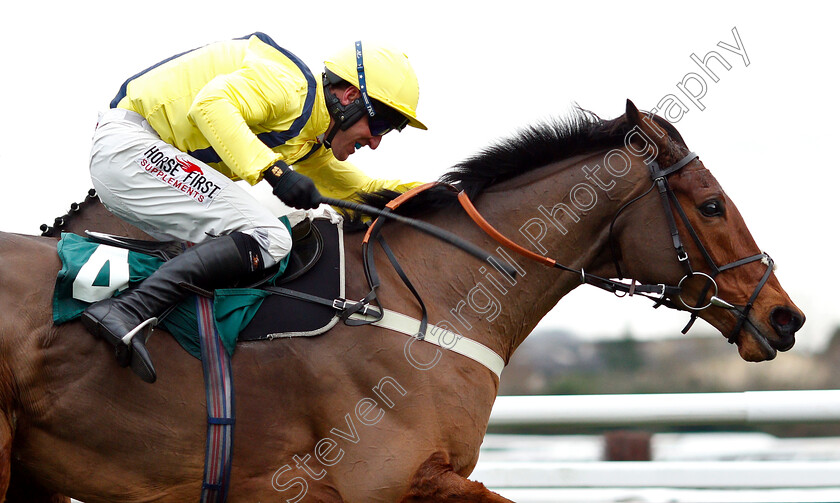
(126, 320)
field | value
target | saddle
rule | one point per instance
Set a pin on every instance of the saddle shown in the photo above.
(299, 302)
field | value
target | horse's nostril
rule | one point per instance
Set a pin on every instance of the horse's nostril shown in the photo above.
(782, 316)
(785, 320)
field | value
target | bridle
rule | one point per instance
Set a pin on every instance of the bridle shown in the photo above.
(669, 201)
(661, 293)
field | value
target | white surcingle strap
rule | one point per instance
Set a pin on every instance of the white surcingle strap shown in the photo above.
(439, 337)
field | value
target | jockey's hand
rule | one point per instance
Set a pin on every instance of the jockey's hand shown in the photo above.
(294, 189)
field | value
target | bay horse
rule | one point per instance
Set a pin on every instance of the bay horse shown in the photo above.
(363, 414)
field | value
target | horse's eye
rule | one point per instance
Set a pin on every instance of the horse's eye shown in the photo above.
(712, 208)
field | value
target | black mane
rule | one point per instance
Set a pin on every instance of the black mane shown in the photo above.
(61, 222)
(530, 148)
(534, 147)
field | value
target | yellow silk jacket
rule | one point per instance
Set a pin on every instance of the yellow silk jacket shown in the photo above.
(242, 105)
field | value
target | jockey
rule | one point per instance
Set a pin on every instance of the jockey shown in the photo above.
(178, 134)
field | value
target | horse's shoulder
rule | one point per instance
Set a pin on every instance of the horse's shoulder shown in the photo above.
(27, 264)
(25, 242)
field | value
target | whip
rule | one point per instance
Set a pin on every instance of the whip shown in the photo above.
(428, 228)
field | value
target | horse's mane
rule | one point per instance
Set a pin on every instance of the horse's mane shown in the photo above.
(63, 221)
(530, 148)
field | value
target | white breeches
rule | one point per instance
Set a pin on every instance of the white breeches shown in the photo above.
(169, 194)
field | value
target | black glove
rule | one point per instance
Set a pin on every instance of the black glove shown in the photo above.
(294, 189)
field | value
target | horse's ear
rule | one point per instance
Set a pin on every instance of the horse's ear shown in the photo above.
(648, 125)
(632, 112)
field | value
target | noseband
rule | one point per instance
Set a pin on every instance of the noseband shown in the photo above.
(661, 293)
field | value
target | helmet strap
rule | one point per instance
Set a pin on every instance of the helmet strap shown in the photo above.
(344, 116)
(360, 71)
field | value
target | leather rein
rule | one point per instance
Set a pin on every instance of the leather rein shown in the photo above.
(661, 294)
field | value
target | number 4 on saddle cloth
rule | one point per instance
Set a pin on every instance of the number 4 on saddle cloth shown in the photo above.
(93, 270)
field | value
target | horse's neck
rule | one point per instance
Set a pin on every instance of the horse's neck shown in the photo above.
(478, 300)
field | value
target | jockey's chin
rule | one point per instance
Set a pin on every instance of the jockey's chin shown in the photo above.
(353, 138)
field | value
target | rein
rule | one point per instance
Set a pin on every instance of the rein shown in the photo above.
(666, 293)
(661, 294)
(437, 232)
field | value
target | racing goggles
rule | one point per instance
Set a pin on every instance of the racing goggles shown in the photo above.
(385, 119)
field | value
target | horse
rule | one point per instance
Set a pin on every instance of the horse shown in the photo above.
(363, 414)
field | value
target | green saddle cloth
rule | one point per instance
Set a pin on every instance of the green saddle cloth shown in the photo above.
(91, 271)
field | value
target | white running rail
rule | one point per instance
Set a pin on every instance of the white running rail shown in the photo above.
(668, 408)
